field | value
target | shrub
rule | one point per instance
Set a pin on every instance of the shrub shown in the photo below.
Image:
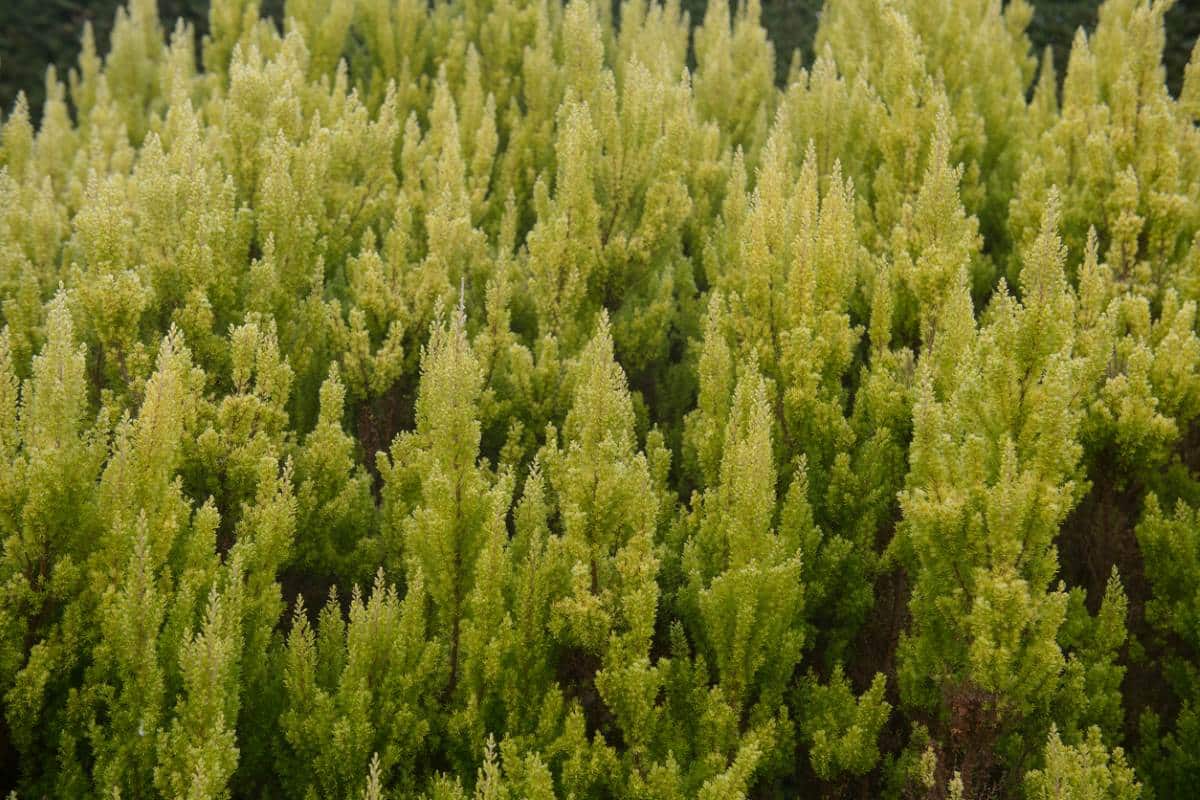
(502, 398)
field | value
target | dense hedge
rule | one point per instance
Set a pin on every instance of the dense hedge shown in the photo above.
(483, 399)
(34, 33)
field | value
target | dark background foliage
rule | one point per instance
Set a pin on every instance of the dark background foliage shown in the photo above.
(34, 33)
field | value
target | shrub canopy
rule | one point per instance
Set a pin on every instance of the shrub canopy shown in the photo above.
(504, 399)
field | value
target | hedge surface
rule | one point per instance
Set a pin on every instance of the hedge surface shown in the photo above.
(34, 33)
(482, 399)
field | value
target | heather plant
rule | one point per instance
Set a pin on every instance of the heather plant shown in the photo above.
(517, 399)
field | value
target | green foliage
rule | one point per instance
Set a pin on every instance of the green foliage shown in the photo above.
(696, 437)
(1084, 770)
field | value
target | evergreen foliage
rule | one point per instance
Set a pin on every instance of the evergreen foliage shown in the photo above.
(508, 399)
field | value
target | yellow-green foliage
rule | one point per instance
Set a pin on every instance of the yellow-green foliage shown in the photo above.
(696, 437)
